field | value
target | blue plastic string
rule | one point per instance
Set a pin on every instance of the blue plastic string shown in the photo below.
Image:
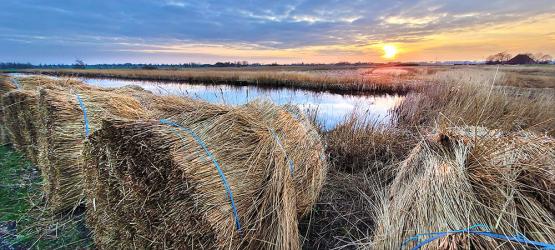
(290, 162)
(216, 164)
(436, 235)
(16, 83)
(85, 118)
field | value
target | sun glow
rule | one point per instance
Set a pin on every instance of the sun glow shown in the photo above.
(389, 51)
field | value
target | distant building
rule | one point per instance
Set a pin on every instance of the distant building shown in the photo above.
(521, 59)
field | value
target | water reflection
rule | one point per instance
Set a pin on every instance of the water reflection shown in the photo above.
(330, 108)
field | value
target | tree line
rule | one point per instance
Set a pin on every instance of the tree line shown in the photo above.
(504, 57)
(80, 64)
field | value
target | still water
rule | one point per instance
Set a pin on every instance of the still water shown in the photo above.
(330, 108)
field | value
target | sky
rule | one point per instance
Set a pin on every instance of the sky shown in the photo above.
(286, 31)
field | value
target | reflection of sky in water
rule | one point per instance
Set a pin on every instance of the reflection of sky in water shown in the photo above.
(331, 108)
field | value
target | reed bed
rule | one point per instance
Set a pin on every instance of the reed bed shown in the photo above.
(474, 98)
(357, 144)
(262, 78)
(458, 177)
(153, 185)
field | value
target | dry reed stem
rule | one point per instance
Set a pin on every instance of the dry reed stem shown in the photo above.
(465, 176)
(467, 98)
(5, 86)
(62, 133)
(153, 185)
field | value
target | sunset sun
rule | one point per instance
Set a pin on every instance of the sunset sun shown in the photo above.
(389, 51)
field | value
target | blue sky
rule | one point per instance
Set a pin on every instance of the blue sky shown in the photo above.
(176, 31)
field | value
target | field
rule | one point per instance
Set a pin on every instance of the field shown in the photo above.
(448, 111)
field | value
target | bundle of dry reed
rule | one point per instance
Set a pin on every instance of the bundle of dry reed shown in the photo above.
(19, 119)
(214, 177)
(23, 121)
(5, 86)
(19, 107)
(465, 176)
(46, 121)
(19, 104)
(62, 129)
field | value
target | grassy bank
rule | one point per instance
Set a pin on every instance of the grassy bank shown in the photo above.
(263, 78)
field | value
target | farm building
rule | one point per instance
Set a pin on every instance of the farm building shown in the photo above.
(521, 59)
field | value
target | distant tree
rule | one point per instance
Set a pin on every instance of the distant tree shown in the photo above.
(16, 66)
(149, 67)
(499, 58)
(542, 58)
(79, 64)
(343, 63)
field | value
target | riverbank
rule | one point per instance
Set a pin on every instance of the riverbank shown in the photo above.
(328, 109)
(334, 79)
(382, 83)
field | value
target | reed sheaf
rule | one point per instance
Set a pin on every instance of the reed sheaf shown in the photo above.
(19, 102)
(213, 177)
(63, 130)
(45, 120)
(459, 177)
(6, 85)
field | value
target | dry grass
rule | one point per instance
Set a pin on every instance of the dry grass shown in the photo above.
(529, 76)
(364, 151)
(357, 144)
(61, 133)
(263, 78)
(20, 120)
(469, 98)
(459, 177)
(151, 185)
(46, 123)
(5, 86)
(19, 103)
(362, 156)
(345, 213)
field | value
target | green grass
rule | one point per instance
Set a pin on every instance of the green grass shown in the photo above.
(18, 182)
(23, 221)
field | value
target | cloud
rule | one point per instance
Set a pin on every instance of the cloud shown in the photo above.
(149, 25)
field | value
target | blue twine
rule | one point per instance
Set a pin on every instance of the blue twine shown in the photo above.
(216, 164)
(85, 118)
(291, 166)
(436, 235)
(16, 83)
